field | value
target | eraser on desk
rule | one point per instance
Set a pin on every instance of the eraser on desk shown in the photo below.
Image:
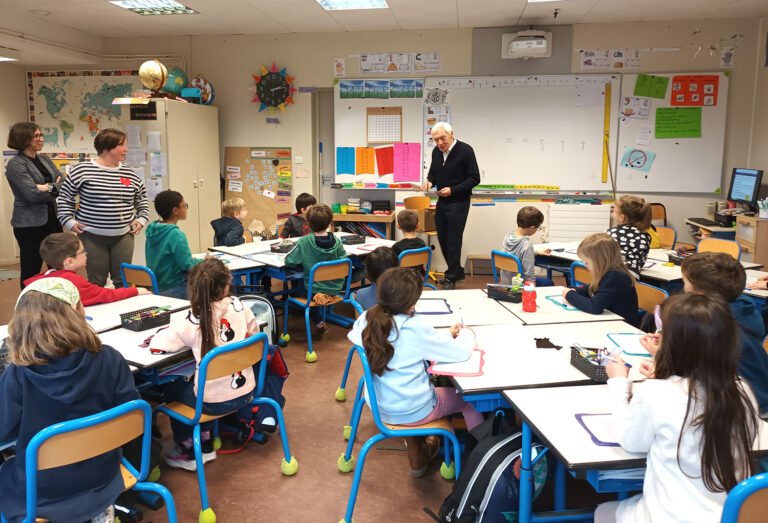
(668, 264)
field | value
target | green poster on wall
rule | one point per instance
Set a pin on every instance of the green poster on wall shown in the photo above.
(651, 86)
(678, 122)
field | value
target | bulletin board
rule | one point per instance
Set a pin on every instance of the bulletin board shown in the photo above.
(263, 177)
(672, 132)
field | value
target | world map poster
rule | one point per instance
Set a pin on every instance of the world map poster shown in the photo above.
(71, 107)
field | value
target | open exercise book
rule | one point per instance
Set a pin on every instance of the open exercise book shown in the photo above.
(433, 306)
(629, 343)
(464, 369)
(601, 431)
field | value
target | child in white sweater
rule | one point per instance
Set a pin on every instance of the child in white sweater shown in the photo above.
(397, 343)
(696, 420)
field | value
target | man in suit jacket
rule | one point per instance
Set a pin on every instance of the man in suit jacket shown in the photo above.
(453, 172)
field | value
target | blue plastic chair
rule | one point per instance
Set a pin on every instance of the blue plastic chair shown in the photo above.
(138, 276)
(504, 261)
(738, 505)
(322, 271)
(85, 438)
(421, 259)
(579, 274)
(220, 362)
(346, 461)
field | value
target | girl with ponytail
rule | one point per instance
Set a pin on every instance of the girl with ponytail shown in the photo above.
(397, 343)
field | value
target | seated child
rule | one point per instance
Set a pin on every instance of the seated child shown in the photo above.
(296, 225)
(229, 228)
(397, 343)
(64, 254)
(612, 287)
(696, 420)
(378, 261)
(167, 249)
(319, 246)
(59, 371)
(407, 222)
(633, 218)
(718, 274)
(214, 319)
(529, 220)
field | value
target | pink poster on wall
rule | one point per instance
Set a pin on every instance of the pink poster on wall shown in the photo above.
(407, 166)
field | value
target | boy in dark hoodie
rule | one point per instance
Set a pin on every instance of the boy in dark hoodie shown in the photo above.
(60, 373)
(319, 246)
(529, 220)
(718, 274)
(167, 249)
(296, 226)
(229, 228)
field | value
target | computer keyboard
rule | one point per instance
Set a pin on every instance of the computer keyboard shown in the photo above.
(703, 221)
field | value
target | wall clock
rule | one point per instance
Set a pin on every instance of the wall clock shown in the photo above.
(273, 89)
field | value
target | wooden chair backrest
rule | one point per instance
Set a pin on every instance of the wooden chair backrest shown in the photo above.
(234, 361)
(649, 296)
(659, 212)
(754, 508)
(720, 245)
(332, 272)
(137, 277)
(666, 236)
(415, 259)
(417, 203)
(581, 275)
(505, 263)
(247, 236)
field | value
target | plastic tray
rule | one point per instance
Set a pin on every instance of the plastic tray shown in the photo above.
(143, 319)
(588, 368)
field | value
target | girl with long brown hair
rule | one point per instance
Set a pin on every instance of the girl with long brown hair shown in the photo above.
(696, 419)
(612, 287)
(215, 318)
(397, 343)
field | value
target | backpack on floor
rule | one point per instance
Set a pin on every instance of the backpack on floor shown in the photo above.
(487, 490)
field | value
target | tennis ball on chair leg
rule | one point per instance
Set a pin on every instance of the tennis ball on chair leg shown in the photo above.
(345, 465)
(207, 516)
(448, 472)
(341, 394)
(311, 357)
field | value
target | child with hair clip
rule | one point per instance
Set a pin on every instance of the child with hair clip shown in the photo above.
(59, 371)
(633, 218)
(397, 343)
(696, 419)
(215, 318)
(612, 287)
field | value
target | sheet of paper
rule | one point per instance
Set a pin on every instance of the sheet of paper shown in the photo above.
(345, 160)
(153, 140)
(635, 107)
(373, 63)
(352, 88)
(133, 136)
(141, 173)
(339, 67)
(694, 90)
(364, 160)
(235, 185)
(651, 86)
(385, 159)
(628, 343)
(426, 62)
(594, 59)
(432, 306)
(407, 166)
(158, 164)
(136, 157)
(473, 366)
(601, 427)
(638, 159)
(154, 187)
(678, 122)
(377, 89)
(644, 135)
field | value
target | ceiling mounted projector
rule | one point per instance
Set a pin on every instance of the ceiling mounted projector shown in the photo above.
(526, 44)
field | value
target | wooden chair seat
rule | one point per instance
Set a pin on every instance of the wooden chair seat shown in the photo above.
(336, 299)
(443, 423)
(189, 412)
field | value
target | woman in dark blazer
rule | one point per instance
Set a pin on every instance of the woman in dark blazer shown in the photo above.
(35, 181)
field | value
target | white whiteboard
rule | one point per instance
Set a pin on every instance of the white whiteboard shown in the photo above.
(681, 164)
(534, 130)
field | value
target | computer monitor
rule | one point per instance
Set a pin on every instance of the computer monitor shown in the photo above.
(745, 185)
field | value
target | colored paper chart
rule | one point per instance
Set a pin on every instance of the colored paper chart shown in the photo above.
(345, 160)
(695, 90)
(385, 160)
(651, 86)
(364, 160)
(678, 122)
(407, 159)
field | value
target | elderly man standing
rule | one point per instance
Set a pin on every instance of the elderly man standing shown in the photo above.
(453, 173)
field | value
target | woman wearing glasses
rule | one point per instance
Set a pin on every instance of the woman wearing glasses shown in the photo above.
(35, 182)
(112, 209)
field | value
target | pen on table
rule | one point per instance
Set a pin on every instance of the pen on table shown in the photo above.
(89, 318)
(461, 317)
(611, 358)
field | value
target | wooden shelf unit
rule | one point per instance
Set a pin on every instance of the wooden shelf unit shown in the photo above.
(752, 236)
(387, 219)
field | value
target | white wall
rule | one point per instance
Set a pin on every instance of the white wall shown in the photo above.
(13, 108)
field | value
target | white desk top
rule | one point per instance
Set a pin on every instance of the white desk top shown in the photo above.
(106, 316)
(550, 413)
(753, 275)
(548, 312)
(244, 249)
(472, 305)
(233, 263)
(128, 343)
(363, 249)
(711, 228)
(512, 360)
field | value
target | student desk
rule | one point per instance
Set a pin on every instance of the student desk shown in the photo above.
(249, 270)
(468, 306)
(714, 231)
(549, 312)
(758, 295)
(512, 360)
(106, 316)
(550, 413)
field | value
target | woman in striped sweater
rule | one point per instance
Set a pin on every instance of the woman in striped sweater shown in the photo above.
(113, 207)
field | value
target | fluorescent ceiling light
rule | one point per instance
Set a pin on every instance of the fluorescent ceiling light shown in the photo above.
(9, 55)
(344, 5)
(154, 7)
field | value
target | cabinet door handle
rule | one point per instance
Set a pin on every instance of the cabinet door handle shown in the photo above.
(194, 184)
(201, 183)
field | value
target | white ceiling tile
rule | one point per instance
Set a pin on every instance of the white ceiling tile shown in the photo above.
(425, 14)
(299, 16)
(363, 20)
(489, 13)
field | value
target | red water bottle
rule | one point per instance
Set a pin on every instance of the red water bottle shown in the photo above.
(529, 297)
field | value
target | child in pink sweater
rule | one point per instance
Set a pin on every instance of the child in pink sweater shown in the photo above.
(214, 319)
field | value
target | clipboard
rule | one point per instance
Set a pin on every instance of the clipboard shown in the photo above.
(616, 338)
(434, 306)
(465, 369)
(558, 300)
(585, 418)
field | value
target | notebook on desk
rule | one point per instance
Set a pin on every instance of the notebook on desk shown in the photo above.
(599, 427)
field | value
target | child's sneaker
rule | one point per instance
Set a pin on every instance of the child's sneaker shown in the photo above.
(321, 328)
(108, 516)
(180, 458)
(206, 444)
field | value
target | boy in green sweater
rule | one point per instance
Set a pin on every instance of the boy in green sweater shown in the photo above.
(167, 249)
(319, 246)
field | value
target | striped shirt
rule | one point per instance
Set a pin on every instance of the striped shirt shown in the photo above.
(110, 199)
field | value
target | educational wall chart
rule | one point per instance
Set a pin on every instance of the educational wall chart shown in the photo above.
(263, 177)
(71, 107)
(672, 132)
